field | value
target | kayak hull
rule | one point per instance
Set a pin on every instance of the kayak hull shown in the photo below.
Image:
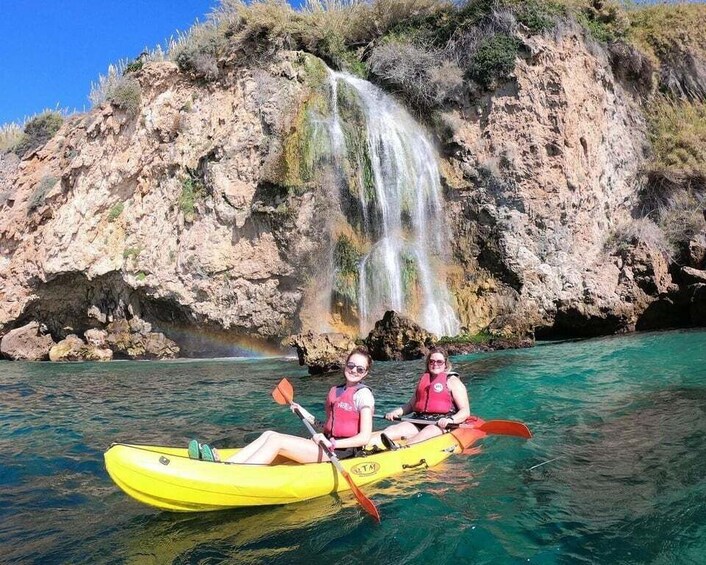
(166, 478)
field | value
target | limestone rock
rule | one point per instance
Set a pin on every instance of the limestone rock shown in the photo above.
(134, 340)
(693, 276)
(397, 338)
(96, 338)
(697, 251)
(27, 343)
(73, 348)
(321, 353)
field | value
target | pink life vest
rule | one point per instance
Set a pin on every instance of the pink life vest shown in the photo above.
(433, 397)
(342, 418)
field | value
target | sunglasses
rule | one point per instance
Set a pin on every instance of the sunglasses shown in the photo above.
(437, 362)
(353, 368)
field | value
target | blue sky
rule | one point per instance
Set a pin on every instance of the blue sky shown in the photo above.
(51, 50)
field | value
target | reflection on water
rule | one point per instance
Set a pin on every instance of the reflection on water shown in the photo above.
(614, 473)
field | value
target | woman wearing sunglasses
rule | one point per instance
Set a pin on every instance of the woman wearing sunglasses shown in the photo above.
(348, 426)
(440, 398)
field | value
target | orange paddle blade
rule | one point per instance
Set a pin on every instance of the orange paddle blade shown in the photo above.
(283, 393)
(505, 428)
(364, 501)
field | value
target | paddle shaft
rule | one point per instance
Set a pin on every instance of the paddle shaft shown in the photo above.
(419, 421)
(500, 427)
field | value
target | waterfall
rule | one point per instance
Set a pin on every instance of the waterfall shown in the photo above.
(395, 186)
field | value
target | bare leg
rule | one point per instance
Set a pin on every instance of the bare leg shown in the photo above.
(428, 432)
(397, 431)
(247, 451)
(273, 444)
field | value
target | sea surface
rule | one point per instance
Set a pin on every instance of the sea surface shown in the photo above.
(615, 472)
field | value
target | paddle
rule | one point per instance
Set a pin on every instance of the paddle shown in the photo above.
(499, 427)
(283, 393)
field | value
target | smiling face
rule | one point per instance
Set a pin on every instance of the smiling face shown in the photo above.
(436, 363)
(356, 368)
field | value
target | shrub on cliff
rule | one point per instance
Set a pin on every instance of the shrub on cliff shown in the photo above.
(118, 88)
(424, 75)
(37, 131)
(198, 51)
(494, 59)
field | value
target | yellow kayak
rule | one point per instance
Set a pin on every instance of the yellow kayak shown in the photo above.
(166, 478)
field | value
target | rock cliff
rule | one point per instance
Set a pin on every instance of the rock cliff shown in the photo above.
(182, 212)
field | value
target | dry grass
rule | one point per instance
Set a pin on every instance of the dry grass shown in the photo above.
(662, 29)
(678, 135)
(10, 136)
(643, 230)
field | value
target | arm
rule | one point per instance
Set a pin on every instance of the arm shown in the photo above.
(460, 396)
(401, 411)
(306, 414)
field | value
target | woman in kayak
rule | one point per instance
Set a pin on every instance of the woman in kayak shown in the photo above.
(348, 426)
(440, 398)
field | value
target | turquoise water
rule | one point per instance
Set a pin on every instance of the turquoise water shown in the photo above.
(615, 473)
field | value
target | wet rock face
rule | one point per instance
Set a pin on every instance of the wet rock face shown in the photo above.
(27, 343)
(322, 353)
(397, 338)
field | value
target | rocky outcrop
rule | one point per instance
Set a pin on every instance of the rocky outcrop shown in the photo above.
(73, 348)
(543, 175)
(321, 353)
(170, 213)
(27, 343)
(697, 304)
(397, 338)
(135, 340)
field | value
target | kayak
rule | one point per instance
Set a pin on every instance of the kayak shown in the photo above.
(166, 478)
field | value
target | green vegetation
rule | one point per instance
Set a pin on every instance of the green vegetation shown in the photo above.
(346, 258)
(197, 53)
(665, 30)
(410, 276)
(478, 339)
(191, 190)
(134, 66)
(494, 59)
(41, 191)
(141, 276)
(358, 164)
(127, 94)
(132, 252)
(115, 211)
(36, 132)
(606, 20)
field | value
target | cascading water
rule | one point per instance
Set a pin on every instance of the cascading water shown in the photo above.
(397, 191)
